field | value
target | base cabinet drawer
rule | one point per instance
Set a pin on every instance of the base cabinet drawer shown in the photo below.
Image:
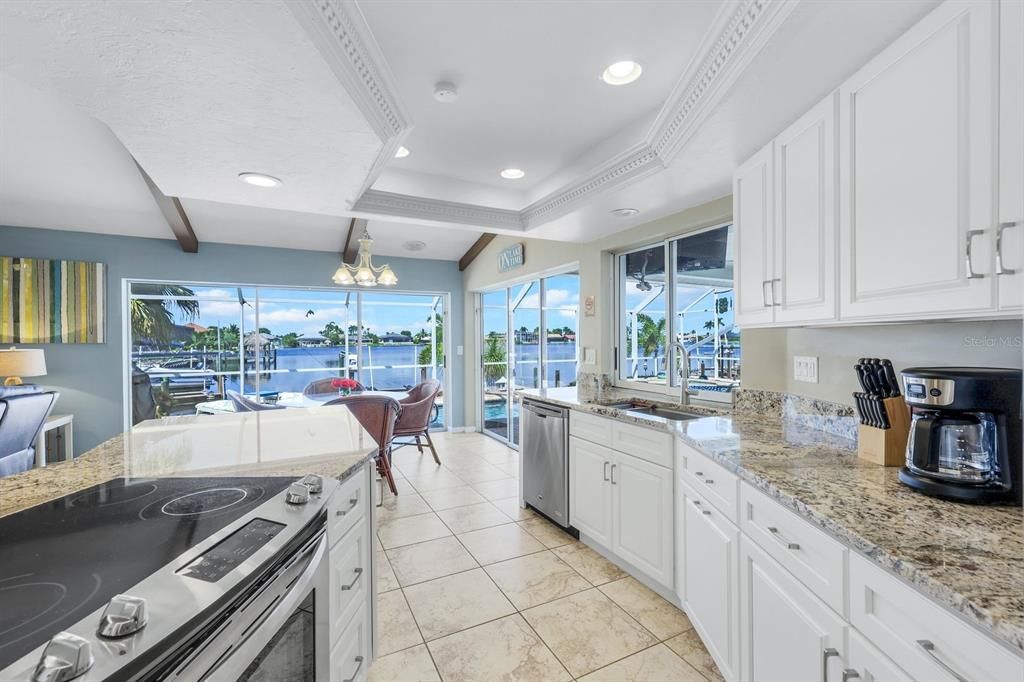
(711, 480)
(787, 634)
(350, 575)
(350, 655)
(350, 504)
(590, 427)
(650, 444)
(867, 664)
(928, 642)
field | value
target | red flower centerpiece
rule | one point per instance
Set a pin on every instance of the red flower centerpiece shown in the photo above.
(345, 386)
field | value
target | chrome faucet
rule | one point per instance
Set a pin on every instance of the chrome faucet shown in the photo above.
(684, 392)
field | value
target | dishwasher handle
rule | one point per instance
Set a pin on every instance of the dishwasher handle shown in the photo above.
(544, 411)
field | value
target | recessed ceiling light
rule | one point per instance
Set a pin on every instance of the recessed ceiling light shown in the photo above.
(414, 245)
(621, 73)
(512, 173)
(625, 212)
(259, 179)
(401, 153)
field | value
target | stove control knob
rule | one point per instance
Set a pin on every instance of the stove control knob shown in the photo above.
(124, 615)
(65, 657)
(297, 493)
(314, 482)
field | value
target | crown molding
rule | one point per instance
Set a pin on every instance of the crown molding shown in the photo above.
(339, 31)
(376, 202)
(742, 28)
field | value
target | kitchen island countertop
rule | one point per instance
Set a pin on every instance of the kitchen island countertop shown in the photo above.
(967, 558)
(323, 440)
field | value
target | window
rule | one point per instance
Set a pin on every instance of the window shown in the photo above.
(699, 293)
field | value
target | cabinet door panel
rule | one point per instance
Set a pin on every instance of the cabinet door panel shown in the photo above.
(871, 664)
(589, 490)
(1011, 155)
(752, 215)
(805, 211)
(712, 580)
(642, 511)
(917, 159)
(788, 634)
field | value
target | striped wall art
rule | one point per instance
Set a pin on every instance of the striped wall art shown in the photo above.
(52, 301)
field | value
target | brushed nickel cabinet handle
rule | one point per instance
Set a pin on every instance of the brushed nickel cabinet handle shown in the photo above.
(359, 665)
(353, 502)
(1000, 268)
(929, 648)
(613, 473)
(850, 674)
(774, 297)
(775, 533)
(825, 655)
(359, 573)
(606, 471)
(971, 274)
(764, 293)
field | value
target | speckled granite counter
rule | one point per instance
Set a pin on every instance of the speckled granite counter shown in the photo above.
(967, 558)
(321, 440)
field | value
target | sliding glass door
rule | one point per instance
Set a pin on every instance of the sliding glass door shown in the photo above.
(528, 339)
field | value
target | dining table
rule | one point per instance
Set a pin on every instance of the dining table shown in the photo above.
(294, 399)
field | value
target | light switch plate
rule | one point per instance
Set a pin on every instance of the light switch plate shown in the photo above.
(458, 350)
(589, 356)
(805, 368)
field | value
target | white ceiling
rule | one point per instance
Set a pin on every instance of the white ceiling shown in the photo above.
(321, 92)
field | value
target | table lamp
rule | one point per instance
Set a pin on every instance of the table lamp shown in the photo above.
(21, 362)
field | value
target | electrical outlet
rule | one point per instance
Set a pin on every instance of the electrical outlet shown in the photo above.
(805, 368)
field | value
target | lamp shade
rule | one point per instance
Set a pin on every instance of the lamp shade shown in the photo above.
(22, 362)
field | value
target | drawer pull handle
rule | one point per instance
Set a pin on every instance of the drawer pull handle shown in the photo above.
(705, 512)
(789, 545)
(699, 473)
(709, 481)
(359, 573)
(825, 655)
(929, 648)
(359, 665)
(850, 674)
(351, 505)
(606, 471)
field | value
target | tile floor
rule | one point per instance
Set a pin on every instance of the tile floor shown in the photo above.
(473, 588)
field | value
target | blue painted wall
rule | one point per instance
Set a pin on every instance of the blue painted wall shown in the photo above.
(89, 377)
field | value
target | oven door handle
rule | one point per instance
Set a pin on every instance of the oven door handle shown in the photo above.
(263, 631)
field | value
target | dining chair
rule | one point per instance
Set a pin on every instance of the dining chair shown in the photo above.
(243, 404)
(377, 414)
(417, 413)
(323, 386)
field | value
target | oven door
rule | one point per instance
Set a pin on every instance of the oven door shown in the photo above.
(281, 634)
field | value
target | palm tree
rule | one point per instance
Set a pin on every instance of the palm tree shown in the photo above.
(154, 318)
(650, 336)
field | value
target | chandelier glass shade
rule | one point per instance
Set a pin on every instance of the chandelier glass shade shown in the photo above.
(364, 273)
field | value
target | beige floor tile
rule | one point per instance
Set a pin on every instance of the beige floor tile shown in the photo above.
(504, 650)
(435, 480)
(481, 473)
(448, 498)
(588, 631)
(510, 507)
(657, 664)
(692, 650)
(386, 579)
(397, 506)
(456, 602)
(410, 529)
(396, 624)
(496, 490)
(535, 579)
(589, 563)
(473, 517)
(548, 533)
(654, 613)
(409, 665)
(489, 545)
(428, 560)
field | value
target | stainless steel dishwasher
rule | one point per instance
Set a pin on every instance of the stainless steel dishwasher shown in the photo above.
(545, 453)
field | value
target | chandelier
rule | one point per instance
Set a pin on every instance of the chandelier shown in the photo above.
(364, 273)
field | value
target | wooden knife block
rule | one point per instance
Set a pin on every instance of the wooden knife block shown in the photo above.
(887, 447)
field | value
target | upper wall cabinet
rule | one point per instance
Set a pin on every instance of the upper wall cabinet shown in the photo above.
(917, 177)
(752, 215)
(1010, 230)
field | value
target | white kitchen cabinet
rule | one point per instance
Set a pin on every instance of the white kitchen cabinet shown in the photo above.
(803, 280)
(917, 162)
(788, 634)
(866, 663)
(752, 216)
(1010, 229)
(712, 580)
(590, 491)
(642, 516)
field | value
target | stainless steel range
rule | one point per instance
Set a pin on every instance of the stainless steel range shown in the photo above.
(168, 579)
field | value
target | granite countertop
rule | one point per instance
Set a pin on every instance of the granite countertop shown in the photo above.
(967, 558)
(324, 440)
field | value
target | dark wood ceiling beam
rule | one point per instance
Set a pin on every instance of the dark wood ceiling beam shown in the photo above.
(174, 214)
(355, 231)
(474, 251)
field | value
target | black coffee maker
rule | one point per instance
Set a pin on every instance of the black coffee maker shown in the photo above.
(965, 433)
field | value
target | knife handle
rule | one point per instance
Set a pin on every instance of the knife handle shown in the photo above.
(890, 374)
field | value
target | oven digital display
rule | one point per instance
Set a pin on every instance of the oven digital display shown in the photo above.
(227, 554)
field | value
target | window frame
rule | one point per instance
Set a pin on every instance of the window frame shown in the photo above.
(672, 383)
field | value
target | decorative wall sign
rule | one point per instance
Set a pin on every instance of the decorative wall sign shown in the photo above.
(511, 257)
(52, 301)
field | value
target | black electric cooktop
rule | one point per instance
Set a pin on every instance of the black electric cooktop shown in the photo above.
(62, 560)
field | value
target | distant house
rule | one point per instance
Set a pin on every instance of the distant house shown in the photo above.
(312, 341)
(395, 338)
